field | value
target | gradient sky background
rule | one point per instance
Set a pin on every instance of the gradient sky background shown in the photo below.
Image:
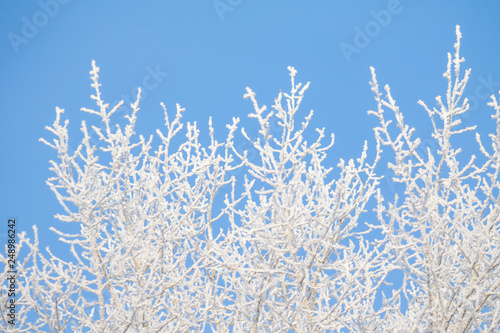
(210, 57)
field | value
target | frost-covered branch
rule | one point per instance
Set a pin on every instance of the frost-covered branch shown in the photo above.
(163, 237)
(443, 231)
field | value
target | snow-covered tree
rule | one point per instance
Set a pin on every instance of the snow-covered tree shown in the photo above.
(297, 250)
(444, 230)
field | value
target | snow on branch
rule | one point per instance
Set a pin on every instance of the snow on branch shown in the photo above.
(167, 237)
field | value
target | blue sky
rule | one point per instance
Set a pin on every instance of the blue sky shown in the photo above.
(203, 54)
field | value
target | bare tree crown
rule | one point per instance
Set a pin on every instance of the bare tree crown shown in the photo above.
(295, 253)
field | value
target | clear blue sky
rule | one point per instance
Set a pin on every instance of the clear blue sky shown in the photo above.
(203, 54)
